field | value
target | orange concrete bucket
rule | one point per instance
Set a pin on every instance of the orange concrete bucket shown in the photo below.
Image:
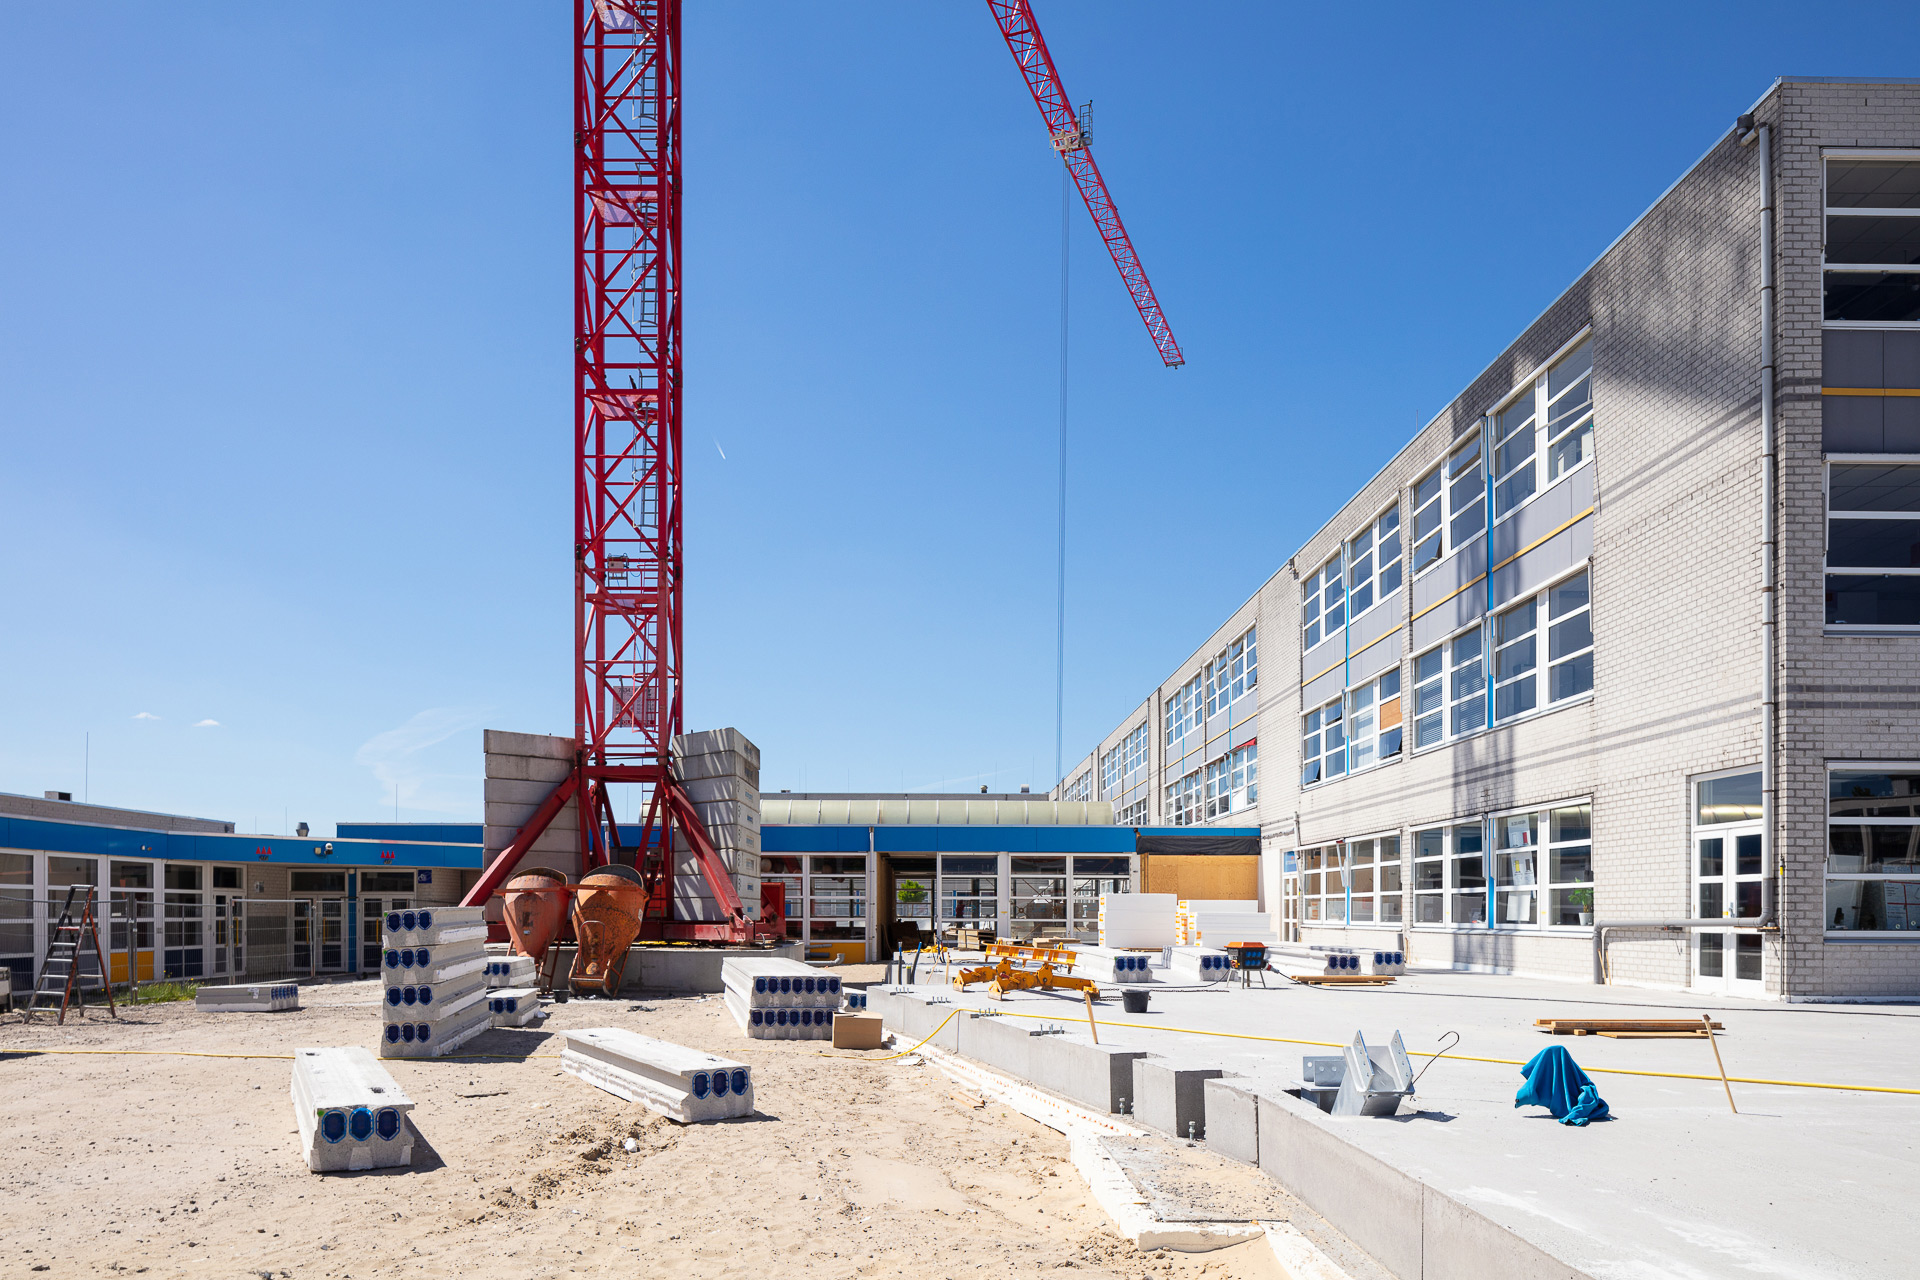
(536, 910)
(606, 920)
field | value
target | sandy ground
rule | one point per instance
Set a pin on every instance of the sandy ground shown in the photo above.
(129, 1164)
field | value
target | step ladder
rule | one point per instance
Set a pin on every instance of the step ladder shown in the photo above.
(60, 972)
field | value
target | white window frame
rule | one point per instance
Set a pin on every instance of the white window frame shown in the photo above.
(1330, 869)
(1313, 732)
(1331, 575)
(1081, 788)
(1537, 386)
(1545, 664)
(1532, 882)
(1183, 708)
(1134, 815)
(1128, 757)
(1828, 570)
(1456, 498)
(1233, 782)
(1828, 211)
(1449, 860)
(1364, 729)
(1379, 870)
(1882, 877)
(1233, 671)
(1569, 425)
(1183, 801)
(1380, 577)
(1527, 434)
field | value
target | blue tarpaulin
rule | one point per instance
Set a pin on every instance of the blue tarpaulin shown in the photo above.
(1556, 1082)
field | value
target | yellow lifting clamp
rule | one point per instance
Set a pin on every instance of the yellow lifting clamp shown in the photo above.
(1003, 977)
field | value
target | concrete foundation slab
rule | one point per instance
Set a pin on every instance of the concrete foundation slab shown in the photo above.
(656, 968)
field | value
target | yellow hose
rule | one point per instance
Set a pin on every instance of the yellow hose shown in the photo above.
(890, 1057)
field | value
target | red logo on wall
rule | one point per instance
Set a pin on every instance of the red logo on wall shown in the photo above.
(263, 852)
(386, 855)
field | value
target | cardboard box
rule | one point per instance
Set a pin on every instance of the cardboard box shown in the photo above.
(857, 1031)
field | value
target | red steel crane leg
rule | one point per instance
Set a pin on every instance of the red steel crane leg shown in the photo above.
(627, 477)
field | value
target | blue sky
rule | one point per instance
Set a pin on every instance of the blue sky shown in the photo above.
(284, 505)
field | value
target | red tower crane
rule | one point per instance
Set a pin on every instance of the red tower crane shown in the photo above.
(627, 562)
(1073, 140)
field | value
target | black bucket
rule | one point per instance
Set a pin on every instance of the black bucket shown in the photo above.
(1135, 1001)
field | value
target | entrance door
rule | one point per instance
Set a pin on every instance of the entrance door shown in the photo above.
(333, 934)
(373, 914)
(1729, 868)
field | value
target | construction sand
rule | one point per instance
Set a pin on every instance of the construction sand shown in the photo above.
(128, 1164)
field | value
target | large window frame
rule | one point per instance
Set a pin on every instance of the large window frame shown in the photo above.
(1450, 875)
(1233, 782)
(1538, 649)
(1183, 708)
(1233, 672)
(1374, 881)
(1375, 722)
(1323, 603)
(1373, 563)
(1849, 238)
(1323, 743)
(1128, 756)
(1081, 788)
(1886, 500)
(1323, 886)
(1873, 850)
(1182, 807)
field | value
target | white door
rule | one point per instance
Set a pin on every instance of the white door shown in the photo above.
(1729, 867)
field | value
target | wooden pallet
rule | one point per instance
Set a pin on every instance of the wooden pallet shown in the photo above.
(1625, 1028)
(1341, 979)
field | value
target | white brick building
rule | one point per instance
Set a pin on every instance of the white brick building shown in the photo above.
(1516, 690)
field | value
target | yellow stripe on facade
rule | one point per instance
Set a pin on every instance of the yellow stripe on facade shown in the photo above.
(1870, 391)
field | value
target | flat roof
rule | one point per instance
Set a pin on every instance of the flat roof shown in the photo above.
(102, 840)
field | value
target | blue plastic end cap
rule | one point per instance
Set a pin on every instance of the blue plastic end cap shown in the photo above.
(719, 1084)
(701, 1085)
(360, 1124)
(386, 1123)
(740, 1081)
(333, 1126)
(426, 919)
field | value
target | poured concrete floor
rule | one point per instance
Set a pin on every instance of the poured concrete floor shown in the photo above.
(1802, 1183)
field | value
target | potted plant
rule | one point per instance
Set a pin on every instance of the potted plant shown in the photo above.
(1582, 900)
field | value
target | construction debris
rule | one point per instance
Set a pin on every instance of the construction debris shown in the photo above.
(1627, 1028)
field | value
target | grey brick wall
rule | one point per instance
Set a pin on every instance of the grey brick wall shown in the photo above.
(1673, 308)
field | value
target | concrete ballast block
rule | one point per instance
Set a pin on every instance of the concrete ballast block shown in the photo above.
(1170, 1095)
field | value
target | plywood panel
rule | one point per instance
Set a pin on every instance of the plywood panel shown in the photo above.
(1193, 876)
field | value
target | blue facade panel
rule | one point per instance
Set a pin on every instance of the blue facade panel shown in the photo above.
(121, 842)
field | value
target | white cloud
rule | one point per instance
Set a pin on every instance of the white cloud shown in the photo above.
(146, 715)
(206, 724)
(404, 757)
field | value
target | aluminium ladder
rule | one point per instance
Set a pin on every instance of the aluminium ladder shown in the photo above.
(60, 971)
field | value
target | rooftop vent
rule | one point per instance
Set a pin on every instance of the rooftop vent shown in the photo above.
(58, 795)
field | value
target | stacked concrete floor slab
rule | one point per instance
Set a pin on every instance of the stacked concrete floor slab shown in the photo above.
(522, 769)
(433, 967)
(778, 999)
(721, 772)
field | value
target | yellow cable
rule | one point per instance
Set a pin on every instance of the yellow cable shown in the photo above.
(890, 1057)
(1505, 1062)
(138, 1053)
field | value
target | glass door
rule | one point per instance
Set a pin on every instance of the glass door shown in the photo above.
(1729, 867)
(333, 932)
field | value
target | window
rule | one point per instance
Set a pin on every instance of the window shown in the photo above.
(1183, 710)
(1570, 865)
(305, 881)
(1873, 849)
(1081, 788)
(1450, 690)
(1323, 604)
(1323, 885)
(1513, 455)
(1039, 900)
(1516, 854)
(837, 901)
(1735, 799)
(1872, 260)
(1570, 411)
(1466, 699)
(1183, 801)
(1426, 520)
(1873, 544)
(370, 881)
(1233, 671)
(1373, 720)
(1449, 875)
(1127, 758)
(1323, 744)
(1233, 781)
(1466, 493)
(1134, 815)
(1569, 639)
(969, 890)
(1515, 660)
(1093, 876)
(1373, 562)
(785, 872)
(1373, 877)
